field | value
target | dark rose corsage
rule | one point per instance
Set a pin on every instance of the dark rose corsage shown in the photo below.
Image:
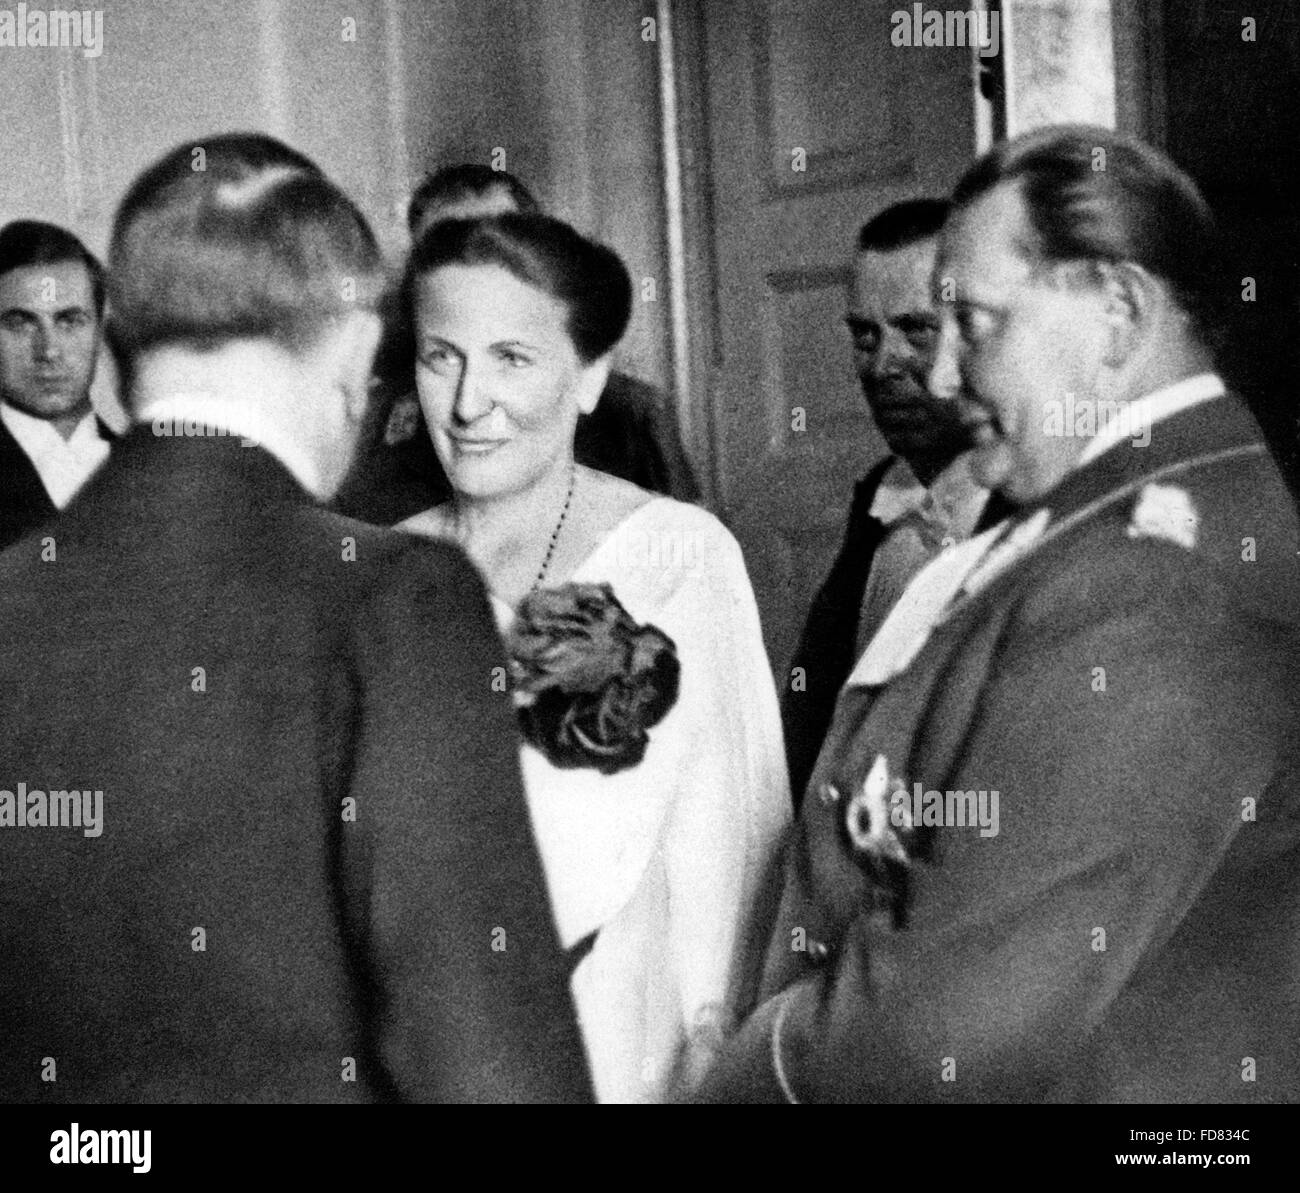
(588, 680)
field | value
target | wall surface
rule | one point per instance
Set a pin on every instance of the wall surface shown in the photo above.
(377, 91)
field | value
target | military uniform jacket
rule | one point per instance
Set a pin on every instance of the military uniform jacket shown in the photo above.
(1132, 930)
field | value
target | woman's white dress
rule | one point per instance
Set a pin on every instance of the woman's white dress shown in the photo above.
(664, 860)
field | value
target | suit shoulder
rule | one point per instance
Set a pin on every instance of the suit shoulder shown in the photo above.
(396, 569)
(1103, 562)
(434, 576)
(1131, 576)
(394, 544)
(379, 538)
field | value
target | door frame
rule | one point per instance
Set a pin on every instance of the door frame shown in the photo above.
(689, 201)
(689, 208)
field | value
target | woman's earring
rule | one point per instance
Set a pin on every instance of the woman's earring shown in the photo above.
(403, 421)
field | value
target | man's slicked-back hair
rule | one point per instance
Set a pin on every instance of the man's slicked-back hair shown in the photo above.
(26, 243)
(236, 237)
(588, 278)
(903, 224)
(467, 180)
(1093, 194)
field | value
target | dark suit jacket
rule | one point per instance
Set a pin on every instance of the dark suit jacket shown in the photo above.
(408, 930)
(827, 646)
(1132, 932)
(24, 503)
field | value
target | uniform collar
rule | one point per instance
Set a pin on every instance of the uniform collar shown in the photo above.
(1134, 420)
(1193, 428)
(1196, 429)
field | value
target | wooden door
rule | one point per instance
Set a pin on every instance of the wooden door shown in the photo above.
(806, 121)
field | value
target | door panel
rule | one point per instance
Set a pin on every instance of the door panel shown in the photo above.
(812, 121)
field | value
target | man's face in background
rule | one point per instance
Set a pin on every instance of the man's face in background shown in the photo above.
(894, 325)
(49, 340)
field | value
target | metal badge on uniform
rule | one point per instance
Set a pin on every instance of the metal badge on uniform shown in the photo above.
(1166, 512)
(867, 816)
(879, 830)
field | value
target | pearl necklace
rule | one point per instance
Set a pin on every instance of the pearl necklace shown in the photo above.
(555, 536)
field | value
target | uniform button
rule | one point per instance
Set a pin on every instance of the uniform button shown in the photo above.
(828, 793)
(817, 951)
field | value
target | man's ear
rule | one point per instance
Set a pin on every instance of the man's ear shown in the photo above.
(1131, 298)
(591, 383)
(353, 357)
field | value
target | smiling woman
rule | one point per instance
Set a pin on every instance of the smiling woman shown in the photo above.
(653, 765)
(500, 382)
(514, 318)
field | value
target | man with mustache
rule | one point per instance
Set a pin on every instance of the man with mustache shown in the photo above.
(914, 502)
(1117, 661)
(51, 308)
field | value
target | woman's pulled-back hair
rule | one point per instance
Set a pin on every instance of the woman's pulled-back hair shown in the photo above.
(588, 278)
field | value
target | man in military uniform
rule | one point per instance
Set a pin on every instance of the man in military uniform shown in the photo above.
(1051, 848)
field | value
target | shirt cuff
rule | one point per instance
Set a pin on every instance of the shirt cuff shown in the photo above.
(782, 1030)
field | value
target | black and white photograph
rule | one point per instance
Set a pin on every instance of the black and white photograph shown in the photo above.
(696, 552)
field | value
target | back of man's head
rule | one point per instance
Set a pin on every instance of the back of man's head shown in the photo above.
(237, 237)
(445, 192)
(902, 225)
(1093, 194)
(26, 243)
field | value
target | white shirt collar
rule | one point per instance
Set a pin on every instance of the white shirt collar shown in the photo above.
(964, 568)
(953, 493)
(192, 415)
(63, 465)
(910, 622)
(1135, 419)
